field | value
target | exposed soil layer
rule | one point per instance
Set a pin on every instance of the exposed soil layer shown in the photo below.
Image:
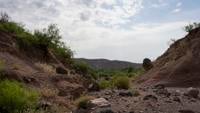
(37, 69)
(179, 66)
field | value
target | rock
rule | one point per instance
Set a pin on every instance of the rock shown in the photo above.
(44, 105)
(131, 112)
(159, 86)
(192, 92)
(186, 111)
(99, 102)
(163, 92)
(150, 97)
(177, 99)
(61, 70)
(125, 93)
(177, 93)
(80, 111)
(104, 110)
(93, 87)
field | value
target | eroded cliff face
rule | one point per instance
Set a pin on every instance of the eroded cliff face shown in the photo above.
(179, 66)
(37, 68)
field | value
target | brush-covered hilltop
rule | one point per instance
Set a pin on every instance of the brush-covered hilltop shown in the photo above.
(109, 64)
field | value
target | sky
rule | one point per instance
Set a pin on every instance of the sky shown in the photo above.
(128, 30)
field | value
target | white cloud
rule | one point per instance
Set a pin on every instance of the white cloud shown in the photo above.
(179, 4)
(177, 10)
(143, 40)
(160, 3)
(93, 27)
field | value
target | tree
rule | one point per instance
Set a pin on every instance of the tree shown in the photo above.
(192, 26)
(147, 64)
(4, 17)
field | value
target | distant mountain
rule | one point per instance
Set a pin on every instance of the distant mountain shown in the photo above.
(109, 64)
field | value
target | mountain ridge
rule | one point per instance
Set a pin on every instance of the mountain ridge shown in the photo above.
(101, 63)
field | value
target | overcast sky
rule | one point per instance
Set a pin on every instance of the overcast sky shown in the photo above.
(127, 30)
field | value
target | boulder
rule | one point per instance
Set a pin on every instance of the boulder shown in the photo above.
(99, 102)
(150, 97)
(159, 86)
(104, 110)
(61, 70)
(44, 105)
(186, 111)
(93, 87)
(192, 92)
(126, 93)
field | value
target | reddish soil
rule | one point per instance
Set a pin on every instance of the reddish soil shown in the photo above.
(179, 66)
(58, 89)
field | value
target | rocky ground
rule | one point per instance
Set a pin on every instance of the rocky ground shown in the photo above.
(156, 99)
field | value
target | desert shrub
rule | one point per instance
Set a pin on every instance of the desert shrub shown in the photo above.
(121, 82)
(48, 93)
(104, 84)
(147, 64)
(50, 38)
(192, 26)
(47, 38)
(81, 67)
(83, 102)
(135, 93)
(15, 98)
(46, 67)
(4, 17)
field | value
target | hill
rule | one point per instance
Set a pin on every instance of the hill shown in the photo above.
(41, 64)
(109, 64)
(179, 65)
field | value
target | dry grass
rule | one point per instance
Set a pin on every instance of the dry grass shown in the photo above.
(45, 67)
(48, 93)
(83, 101)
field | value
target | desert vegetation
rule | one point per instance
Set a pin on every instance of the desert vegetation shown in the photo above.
(192, 26)
(15, 98)
(45, 39)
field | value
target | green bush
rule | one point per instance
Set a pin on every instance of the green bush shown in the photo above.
(47, 38)
(147, 64)
(121, 82)
(81, 67)
(4, 17)
(192, 26)
(83, 102)
(105, 84)
(15, 98)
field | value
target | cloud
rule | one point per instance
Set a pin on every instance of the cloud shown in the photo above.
(177, 10)
(179, 4)
(159, 3)
(95, 28)
(142, 40)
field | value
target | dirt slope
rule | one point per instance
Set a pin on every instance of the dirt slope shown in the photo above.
(179, 66)
(37, 70)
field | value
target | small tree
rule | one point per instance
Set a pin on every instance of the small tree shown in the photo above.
(192, 26)
(147, 64)
(4, 17)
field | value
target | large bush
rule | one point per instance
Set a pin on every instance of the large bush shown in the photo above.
(81, 67)
(47, 38)
(83, 102)
(147, 64)
(192, 26)
(14, 98)
(121, 82)
(105, 84)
